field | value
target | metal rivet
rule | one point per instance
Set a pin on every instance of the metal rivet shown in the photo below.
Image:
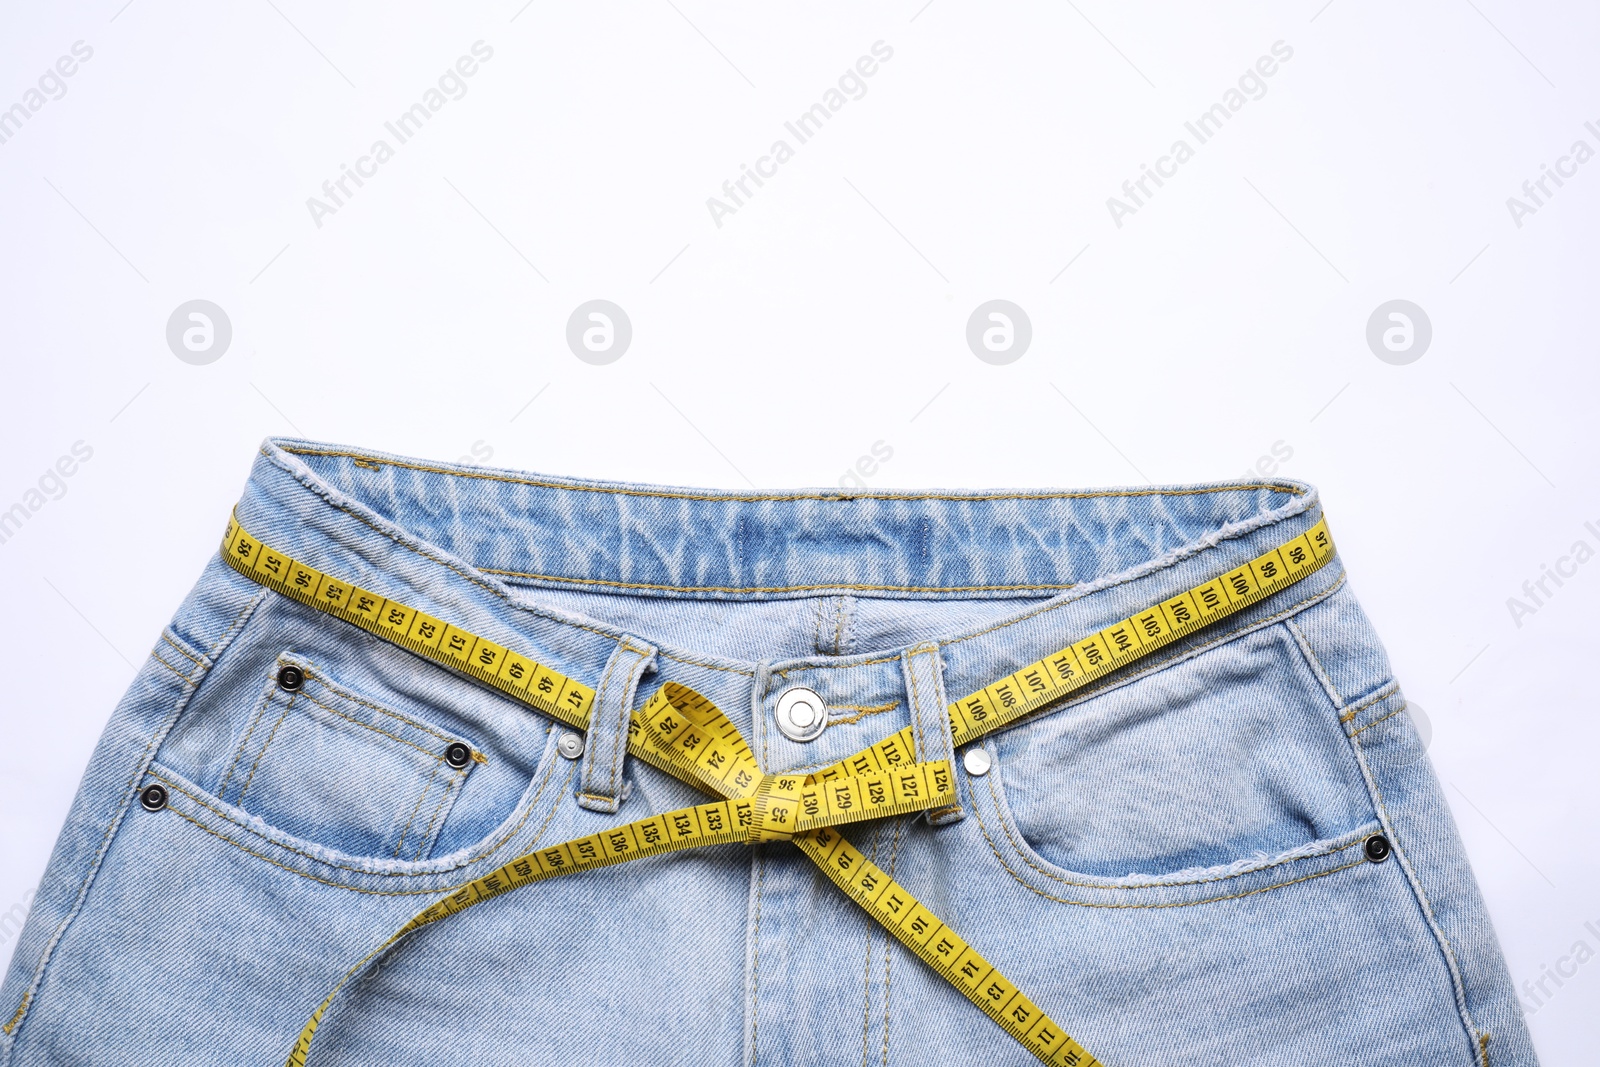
(1377, 848)
(153, 798)
(458, 755)
(801, 714)
(976, 760)
(570, 745)
(291, 678)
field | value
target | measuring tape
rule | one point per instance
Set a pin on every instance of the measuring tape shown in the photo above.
(684, 734)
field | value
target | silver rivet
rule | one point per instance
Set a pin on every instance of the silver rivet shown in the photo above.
(570, 745)
(976, 761)
(801, 714)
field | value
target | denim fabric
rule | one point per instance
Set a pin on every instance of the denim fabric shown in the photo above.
(1170, 863)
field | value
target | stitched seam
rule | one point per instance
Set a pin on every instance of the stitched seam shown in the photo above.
(1023, 854)
(361, 870)
(1445, 948)
(1483, 1047)
(533, 576)
(1315, 663)
(338, 690)
(340, 885)
(428, 841)
(619, 744)
(755, 965)
(20, 1009)
(1112, 681)
(174, 670)
(398, 845)
(1386, 718)
(105, 840)
(1382, 694)
(865, 494)
(1169, 904)
(736, 670)
(1291, 609)
(185, 653)
(600, 706)
(866, 970)
(916, 708)
(443, 891)
(888, 946)
(860, 712)
(239, 620)
(239, 800)
(244, 742)
(1132, 578)
(367, 726)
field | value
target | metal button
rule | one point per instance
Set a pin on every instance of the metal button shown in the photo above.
(976, 760)
(570, 745)
(153, 798)
(1377, 848)
(291, 678)
(458, 755)
(801, 714)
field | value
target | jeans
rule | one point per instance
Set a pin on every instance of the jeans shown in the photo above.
(1174, 863)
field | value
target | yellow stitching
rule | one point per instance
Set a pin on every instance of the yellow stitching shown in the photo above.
(185, 652)
(362, 870)
(444, 891)
(339, 690)
(530, 575)
(12, 1025)
(1387, 691)
(1169, 904)
(1386, 718)
(1022, 853)
(188, 680)
(1483, 1047)
(366, 726)
(239, 800)
(861, 712)
(244, 742)
(364, 459)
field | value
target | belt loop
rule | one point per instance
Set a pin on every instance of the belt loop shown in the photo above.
(758, 710)
(930, 716)
(600, 785)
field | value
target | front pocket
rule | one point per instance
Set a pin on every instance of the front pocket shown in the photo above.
(1227, 757)
(328, 765)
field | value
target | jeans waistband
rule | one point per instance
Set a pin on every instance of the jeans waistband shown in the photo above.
(476, 546)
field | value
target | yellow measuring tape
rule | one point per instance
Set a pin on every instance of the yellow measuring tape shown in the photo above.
(685, 735)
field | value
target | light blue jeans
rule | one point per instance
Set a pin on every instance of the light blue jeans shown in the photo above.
(1172, 864)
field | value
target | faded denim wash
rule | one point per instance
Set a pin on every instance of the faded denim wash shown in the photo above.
(1170, 863)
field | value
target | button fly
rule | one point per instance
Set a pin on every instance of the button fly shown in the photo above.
(801, 714)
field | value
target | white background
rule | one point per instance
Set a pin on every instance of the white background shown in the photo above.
(829, 312)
